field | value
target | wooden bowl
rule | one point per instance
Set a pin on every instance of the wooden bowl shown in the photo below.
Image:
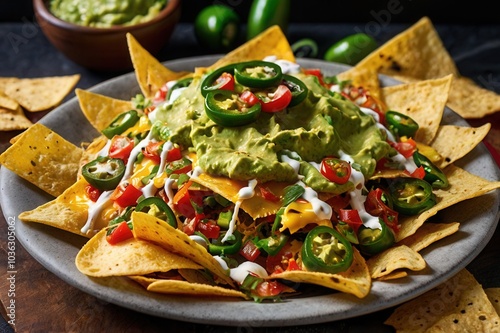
(105, 49)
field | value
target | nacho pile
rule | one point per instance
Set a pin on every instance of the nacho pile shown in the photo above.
(18, 95)
(254, 176)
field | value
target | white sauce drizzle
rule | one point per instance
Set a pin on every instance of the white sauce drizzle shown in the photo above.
(94, 209)
(239, 273)
(287, 67)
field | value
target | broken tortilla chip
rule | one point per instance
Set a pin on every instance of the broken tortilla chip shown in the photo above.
(44, 158)
(13, 119)
(429, 233)
(393, 259)
(457, 305)
(40, 94)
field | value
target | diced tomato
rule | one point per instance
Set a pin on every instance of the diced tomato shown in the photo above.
(268, 195)
(292, 265)
(279, 100)
(185, 200)
(161, 94)
(351, 217)
(121, 233)
(405, 148)
(363, 98)
(279, 262)
(92, 192)
(336, 170)
(418, 173)
(153, 151)
(120, 147)
(174, 154)
(337, 203)
(126, 195)
(249, 98)
(209, 229)
(249, 250)
(225, 81)
(269, 288)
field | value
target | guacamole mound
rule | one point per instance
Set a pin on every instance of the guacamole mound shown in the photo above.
(106, 13)
(322, 125)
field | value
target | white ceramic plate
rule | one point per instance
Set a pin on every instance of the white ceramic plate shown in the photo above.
(56, 249)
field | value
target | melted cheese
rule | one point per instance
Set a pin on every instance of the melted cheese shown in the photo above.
(298, 214)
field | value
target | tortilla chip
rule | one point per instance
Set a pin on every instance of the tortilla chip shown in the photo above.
(131, 257)
(494, 297)
(394, 275)
(13, 119)
(40, 94)
(178, 287)
(418, 52)
(424, 101)
(151, 74)
(457, 305)
(356, 280)
(454, 142)
(471, 101)
(68, 211)
(463, 186)
(101, 110)
(270, 42)
(43, 158)
(150, 228)
(429, 233)
(256, 206)
(363, 77)
(395, 258)
(7, 102)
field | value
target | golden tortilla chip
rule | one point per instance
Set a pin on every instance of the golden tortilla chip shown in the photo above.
(356, 280)
(424, 101)
(43, 158)
(395, 258)
(40, 94)
(151, 74)
(101, 110)
(13, 119)
(363, 77)
(471, 101)
(178, 287)
(463, 186)
(7, 102)
(271, 42)
(418, 52)
(494, 297)
(69, 211)
(457, 305)
(131, 257)
(154, 230)
(429, 233)
(454, 142)
(394, 275)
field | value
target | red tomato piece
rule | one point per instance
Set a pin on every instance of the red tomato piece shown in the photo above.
(351, 217)
(269, 288)
(418, 173)
(268, 195)
(185, 200)
(174, 154)
(225, 81)
(121, 233)
(120, 147)
(336, 170)
(250, 251)
(249, 98)
(126, 195)
(279, 99)
(92, 193)
(405, 148)
(209, 229)
(316, 72)
(161, 94)
(153, 151)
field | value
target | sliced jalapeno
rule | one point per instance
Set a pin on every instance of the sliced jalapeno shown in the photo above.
(231, 246)
(373, 241)
(104, 173)
(326, 250)
(209, 82)
(268, 239)
(433, 174)
(159, 208)
(297, 87)
(305, 48)
(183, 83)
(121, 123)
(411, 196)
(258, 74)
(401, 124)
(226, 109)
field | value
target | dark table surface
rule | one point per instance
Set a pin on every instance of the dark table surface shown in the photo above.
(25, 52)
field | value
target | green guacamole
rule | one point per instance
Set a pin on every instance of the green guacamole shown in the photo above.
(106, 13)
(320, 126)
